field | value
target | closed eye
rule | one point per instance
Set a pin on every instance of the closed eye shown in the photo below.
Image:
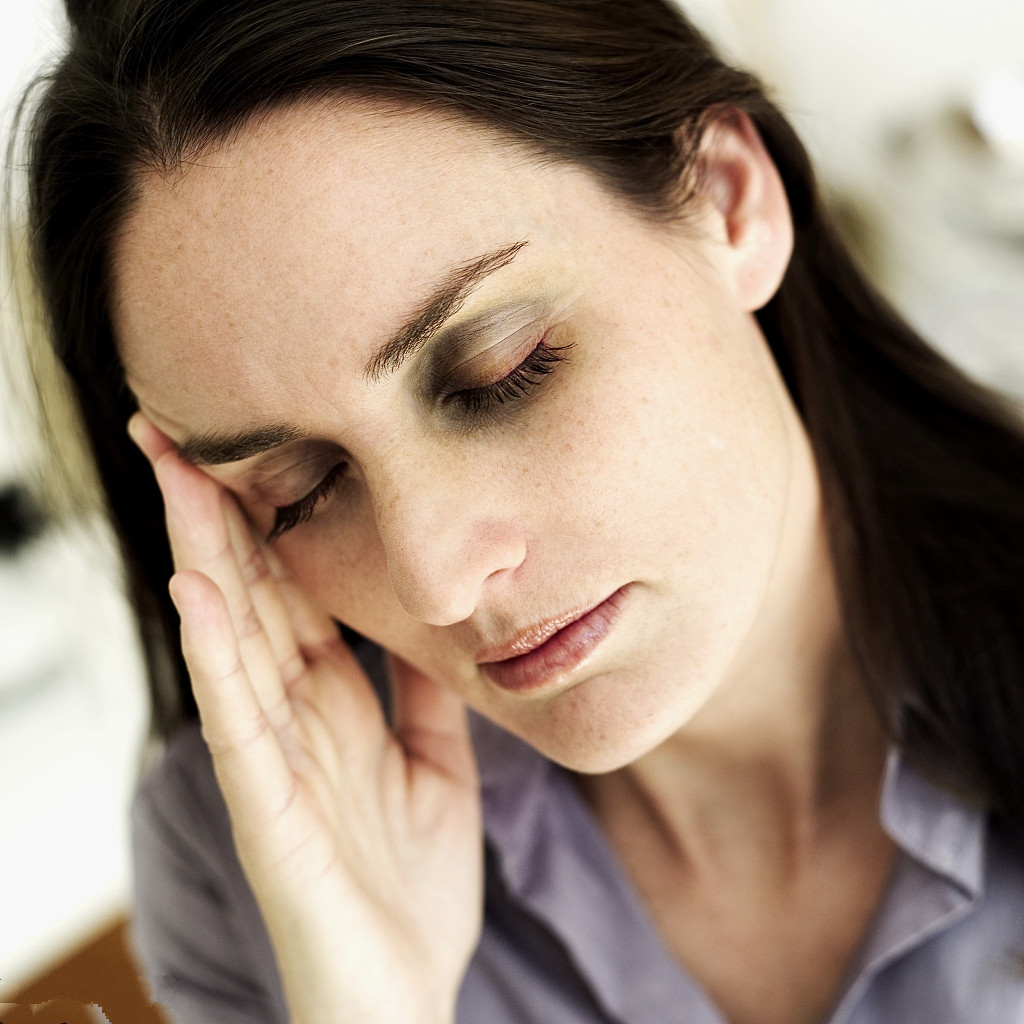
(516, 384)
(287, 517)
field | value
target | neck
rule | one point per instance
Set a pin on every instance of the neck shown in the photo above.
(787, 754)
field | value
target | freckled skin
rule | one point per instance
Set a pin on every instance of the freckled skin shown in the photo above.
(735, 761)
(663, 452)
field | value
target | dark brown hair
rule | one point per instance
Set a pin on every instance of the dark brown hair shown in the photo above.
(922, 470)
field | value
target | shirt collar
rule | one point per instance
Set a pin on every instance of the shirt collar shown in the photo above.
(529, 818)
(928, 823)
(513, 781)
(933, 826)
(555, 863)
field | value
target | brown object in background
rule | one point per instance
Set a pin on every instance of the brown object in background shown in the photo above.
(60, 1011)
(102, 972)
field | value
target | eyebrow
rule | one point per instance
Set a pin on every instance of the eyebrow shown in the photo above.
(211, 450)
(446, 300)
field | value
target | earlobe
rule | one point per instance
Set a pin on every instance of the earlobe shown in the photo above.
(745, 196)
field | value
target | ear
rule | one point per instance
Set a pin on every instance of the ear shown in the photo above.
(746, 202)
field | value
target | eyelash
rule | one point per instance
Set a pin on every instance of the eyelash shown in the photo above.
(514, 385)
(289, 516)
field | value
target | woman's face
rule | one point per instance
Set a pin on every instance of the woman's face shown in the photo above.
(491, 401)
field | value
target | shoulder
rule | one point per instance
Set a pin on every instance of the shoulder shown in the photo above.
(178, 810)
(197, 927)
(180, 780)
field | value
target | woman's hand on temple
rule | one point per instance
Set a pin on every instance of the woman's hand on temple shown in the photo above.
(363, 846)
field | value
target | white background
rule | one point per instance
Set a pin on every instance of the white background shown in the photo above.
(72, 706)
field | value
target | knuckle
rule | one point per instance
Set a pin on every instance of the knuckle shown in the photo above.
(243, 734)
(248, 624)
(279, 714)
(293, 668)
(233, 671)
(212, 559)
(254, 567)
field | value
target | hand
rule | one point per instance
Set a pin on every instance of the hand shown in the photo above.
(363, 846)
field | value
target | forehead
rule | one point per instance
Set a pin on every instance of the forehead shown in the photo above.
(321, 221)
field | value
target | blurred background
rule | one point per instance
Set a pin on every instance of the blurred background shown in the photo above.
(72, 700)
(915, 114)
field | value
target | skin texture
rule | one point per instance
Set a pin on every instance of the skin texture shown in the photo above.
(661, 454)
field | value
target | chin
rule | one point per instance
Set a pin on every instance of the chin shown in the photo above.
(592, 730)
(598, 762)
(619, 752)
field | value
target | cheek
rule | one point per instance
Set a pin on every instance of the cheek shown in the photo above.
(666, 415)
(341, 566)
(688, 453)
(340, 563)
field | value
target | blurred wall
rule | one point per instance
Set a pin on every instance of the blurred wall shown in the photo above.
(914, 114)
(72, 704)
(845, 70)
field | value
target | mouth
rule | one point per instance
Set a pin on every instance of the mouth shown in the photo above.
(546, 653)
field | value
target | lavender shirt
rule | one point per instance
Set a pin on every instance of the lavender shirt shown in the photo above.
(566, 939)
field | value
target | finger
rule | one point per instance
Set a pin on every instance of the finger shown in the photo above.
(299, 631)
(316, 640)
(314, 629)
(431, 723)
(250, 764)
(151, 440)
(265, 594)
(312, 626)
(279, 630)
(198, 510)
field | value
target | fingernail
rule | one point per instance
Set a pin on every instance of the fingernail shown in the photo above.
(135, 427)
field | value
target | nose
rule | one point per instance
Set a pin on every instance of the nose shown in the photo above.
(445, 536)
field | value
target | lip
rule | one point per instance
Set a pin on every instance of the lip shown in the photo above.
(547, 652)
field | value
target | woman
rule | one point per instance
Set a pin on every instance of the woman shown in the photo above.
(511, 335)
